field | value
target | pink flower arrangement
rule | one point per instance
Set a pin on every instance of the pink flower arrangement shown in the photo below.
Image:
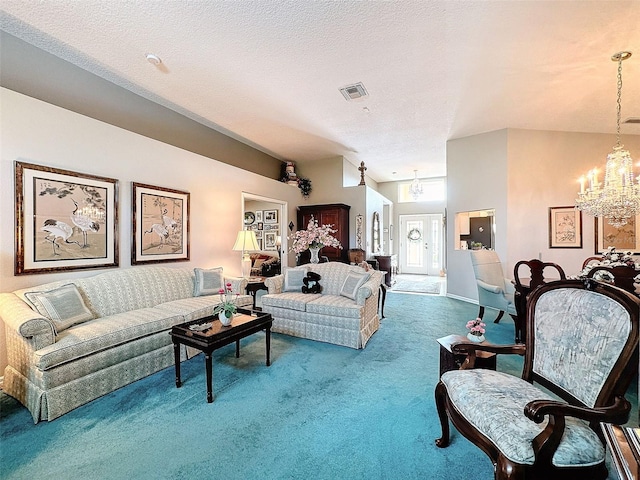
(476, 327)
(314, 237)
(227, 301)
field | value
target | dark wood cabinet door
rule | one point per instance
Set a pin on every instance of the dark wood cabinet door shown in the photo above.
(336, 215)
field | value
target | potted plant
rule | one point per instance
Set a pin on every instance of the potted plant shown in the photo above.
(227, 306)
(476, 330)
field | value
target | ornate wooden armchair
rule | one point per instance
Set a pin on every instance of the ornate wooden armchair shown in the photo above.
(535, 277)
(582, 345)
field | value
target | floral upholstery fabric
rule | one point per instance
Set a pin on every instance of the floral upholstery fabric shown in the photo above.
(327, 317)
(504, 423)
(578, 354)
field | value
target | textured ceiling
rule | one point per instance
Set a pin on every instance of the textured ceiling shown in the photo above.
(269, 72)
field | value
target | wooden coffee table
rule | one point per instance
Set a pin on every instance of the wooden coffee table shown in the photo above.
(244, 323)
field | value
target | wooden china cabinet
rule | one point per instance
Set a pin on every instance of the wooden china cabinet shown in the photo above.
(335, 214)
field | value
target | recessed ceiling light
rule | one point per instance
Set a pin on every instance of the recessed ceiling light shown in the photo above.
(153, 59)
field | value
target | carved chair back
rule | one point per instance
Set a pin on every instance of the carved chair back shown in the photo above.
(581, 338)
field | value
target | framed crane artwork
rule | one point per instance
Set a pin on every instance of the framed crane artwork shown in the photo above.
(64, 220)
(160, 230)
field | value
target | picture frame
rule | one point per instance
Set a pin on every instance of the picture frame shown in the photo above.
(258, 215)
(625, 238)
(259, 243)
(258, 234)
(260, 226)
(270, 216)
(65, 220)
(565, 227)
(270, 241)
(160, 225)
(249, 218)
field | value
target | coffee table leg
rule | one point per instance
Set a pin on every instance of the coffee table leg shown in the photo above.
(209, 368)
(237, 348)
(176, 356)
(268, 342)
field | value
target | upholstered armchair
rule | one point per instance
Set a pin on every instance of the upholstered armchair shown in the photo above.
(582, 346)
(494, 290)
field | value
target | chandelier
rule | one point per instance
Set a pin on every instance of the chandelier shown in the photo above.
(618, 199)
(415, 189)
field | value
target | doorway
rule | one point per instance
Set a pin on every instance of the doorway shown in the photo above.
(421, 244)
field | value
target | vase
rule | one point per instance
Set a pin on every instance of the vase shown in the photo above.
(475, 338)
(314, 254)
(224, 320)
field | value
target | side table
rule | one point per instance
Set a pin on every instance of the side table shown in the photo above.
(255, 284)
(451, 361)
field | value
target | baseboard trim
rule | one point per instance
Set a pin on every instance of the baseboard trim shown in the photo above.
(464, 299)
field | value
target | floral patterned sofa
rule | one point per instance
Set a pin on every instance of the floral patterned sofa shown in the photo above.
(72, 341)
(344, 313)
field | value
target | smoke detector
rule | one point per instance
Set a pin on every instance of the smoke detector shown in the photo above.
(355, 91)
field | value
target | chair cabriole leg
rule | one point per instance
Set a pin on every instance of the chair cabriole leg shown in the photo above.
(441, 394)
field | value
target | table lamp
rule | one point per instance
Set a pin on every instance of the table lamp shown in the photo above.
(246, 242)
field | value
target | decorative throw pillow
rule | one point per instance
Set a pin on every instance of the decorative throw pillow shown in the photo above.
(64, 306)
(208, 282)
(258, 263)
(294, 279)
(352, 283)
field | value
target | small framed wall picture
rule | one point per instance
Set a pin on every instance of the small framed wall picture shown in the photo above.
(160, 230)
(258, 215)
(565, 227)
(270, 216)
(270, 241)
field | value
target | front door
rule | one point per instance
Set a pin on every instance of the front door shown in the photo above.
(421, 244)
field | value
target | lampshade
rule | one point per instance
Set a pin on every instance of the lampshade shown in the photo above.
(246, 241)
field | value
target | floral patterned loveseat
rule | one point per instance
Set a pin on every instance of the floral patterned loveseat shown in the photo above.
(344, 313)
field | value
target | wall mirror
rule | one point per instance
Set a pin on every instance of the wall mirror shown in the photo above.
(475, 230)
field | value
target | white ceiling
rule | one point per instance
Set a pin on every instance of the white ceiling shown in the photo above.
(269, 71)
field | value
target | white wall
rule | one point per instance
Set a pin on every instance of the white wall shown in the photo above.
(36, 132)
(476, 180)
(521, 173)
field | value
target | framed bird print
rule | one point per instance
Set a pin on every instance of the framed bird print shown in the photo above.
(64, 220)
(160, 230)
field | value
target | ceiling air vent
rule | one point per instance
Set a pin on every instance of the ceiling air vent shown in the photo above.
(632, 120)
(352, 92)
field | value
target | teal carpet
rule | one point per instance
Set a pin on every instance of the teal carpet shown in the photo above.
(319, 412)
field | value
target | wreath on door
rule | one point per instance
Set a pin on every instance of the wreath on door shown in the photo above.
(414, 235)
